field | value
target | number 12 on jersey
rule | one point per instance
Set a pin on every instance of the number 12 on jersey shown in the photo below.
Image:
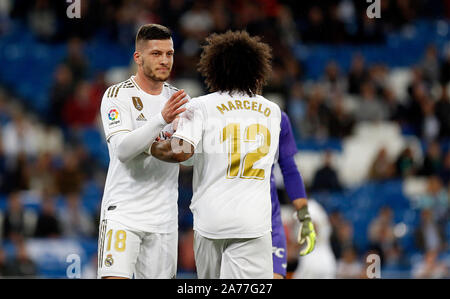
(244, 168)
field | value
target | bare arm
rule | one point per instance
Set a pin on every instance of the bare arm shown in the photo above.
(173, 150)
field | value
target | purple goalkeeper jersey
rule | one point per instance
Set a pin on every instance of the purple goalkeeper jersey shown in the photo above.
(293, 181)
(294, 186)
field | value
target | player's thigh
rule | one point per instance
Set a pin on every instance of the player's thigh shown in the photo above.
(208, 256)
(158, 256)
(118, 249)
(248, 259)
(279, 252)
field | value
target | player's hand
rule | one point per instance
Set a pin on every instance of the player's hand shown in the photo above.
(172, 108)
(307, 233)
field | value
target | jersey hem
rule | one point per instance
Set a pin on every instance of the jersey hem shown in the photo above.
(231, 236)
(102, 274)
(143, 228)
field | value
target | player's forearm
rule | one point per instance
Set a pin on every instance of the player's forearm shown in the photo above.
(293, 181)
(163, 150)
(138, 141)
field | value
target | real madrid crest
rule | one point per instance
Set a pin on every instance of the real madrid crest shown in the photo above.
(109, 260)
(137, 103)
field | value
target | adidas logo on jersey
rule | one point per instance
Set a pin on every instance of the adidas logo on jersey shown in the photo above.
(141, 117)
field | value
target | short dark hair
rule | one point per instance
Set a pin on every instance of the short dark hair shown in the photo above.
(235, 61)
(153, 31)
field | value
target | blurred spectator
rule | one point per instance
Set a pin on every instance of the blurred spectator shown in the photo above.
(3, 174)
(370, 107)
(369, 31)
(342, 236)
(357, 74)
(17, 221)
(18, 174)
(50, 139)
(378, 77)
(444, 74)
(314, 124)
(381, 232)
(445, 171)
(436, 199)
(405, 164)
(197, 22)
(316, 29)
(286, 24)
(341, 123)
(42, 19)
(429, 235)
(60, 91)
(326, 177)
(69, 178)
(75, 220)
(76, 61)
(333, 82)
(392, 105)
(442, 111)
(348, 266)
(42, 178)
(81, 110)
(382, 167)
(19, 136)
(418, 95)
(48, 225)
(430, 65)
(430, 124)
(296, 106)
(430, 267)
(432, 163)
(88, 165)
(21, 265)
(5, 114)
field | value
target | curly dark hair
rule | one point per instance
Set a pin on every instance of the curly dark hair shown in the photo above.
(235, 61)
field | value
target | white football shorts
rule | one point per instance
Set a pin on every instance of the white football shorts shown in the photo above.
(124, 252)
(249, 258)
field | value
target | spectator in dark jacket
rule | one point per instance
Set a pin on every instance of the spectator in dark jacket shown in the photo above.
(326, 178)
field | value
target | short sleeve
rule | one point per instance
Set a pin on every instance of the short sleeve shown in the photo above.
(115, 115)
(190, 126)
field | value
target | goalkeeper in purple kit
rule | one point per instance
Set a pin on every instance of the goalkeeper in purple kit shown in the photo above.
(296, 191)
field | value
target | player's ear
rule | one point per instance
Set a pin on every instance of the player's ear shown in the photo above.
(137, 57)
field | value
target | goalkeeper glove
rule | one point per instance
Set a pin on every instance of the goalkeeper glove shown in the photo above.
(306, 232)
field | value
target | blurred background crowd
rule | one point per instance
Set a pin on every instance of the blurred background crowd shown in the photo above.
(368, 99)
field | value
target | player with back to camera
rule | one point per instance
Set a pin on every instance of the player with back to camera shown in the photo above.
(234, 133)
(138, 234)
(296, 191)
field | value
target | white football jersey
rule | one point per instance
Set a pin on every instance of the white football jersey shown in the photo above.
(235, 139)
(143, 192)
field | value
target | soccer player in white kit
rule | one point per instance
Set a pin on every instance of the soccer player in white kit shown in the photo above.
(138, 234)
(234, 133)
(321, 263)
